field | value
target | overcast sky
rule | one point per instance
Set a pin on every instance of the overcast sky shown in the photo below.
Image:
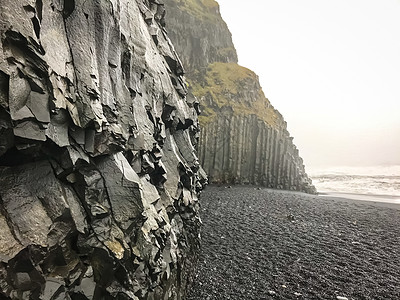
(332, 68)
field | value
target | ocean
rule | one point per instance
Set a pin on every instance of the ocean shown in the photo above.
(378, 183)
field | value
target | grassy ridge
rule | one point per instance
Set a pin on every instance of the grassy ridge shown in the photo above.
(228, 84)
(201, 9)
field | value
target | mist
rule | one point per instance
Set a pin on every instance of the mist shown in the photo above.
(332, 68)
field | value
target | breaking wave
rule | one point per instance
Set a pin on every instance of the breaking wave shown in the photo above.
(366, 180)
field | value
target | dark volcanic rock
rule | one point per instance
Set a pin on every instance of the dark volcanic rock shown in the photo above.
(199, 33)
(243, 138)
(98, 172)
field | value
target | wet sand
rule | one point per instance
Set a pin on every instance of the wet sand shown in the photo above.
(269, 244)
(363, 197)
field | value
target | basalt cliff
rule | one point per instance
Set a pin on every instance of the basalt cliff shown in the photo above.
(243, 138)
(98, 172)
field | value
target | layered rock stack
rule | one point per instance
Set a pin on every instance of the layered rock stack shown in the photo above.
(243, 138)
(98, 173)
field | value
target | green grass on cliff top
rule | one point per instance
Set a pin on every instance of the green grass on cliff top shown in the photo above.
(228, 84)
(202, 9)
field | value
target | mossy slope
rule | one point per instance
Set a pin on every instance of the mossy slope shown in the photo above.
(231, 85)
(206, 10)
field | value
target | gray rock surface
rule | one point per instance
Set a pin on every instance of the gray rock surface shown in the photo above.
(243, 138)
(255, 153)
(199, 33)
(98, 173)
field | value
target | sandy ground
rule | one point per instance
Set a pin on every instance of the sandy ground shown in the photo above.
(268, 244)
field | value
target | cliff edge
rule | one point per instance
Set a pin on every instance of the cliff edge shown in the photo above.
(243, 139)
(98, 171)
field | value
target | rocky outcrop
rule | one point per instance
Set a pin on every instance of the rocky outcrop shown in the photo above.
(199, 33)
(98, 173)
(243, 138)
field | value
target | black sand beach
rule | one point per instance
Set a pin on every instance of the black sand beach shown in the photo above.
(268, 244)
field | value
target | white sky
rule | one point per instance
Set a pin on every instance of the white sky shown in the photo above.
(332, 68)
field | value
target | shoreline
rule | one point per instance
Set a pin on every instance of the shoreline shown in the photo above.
(389, 199)
(374, 198)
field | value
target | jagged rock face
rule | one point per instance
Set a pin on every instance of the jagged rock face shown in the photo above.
(201, 35)
(243, 138)
(98, 173)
